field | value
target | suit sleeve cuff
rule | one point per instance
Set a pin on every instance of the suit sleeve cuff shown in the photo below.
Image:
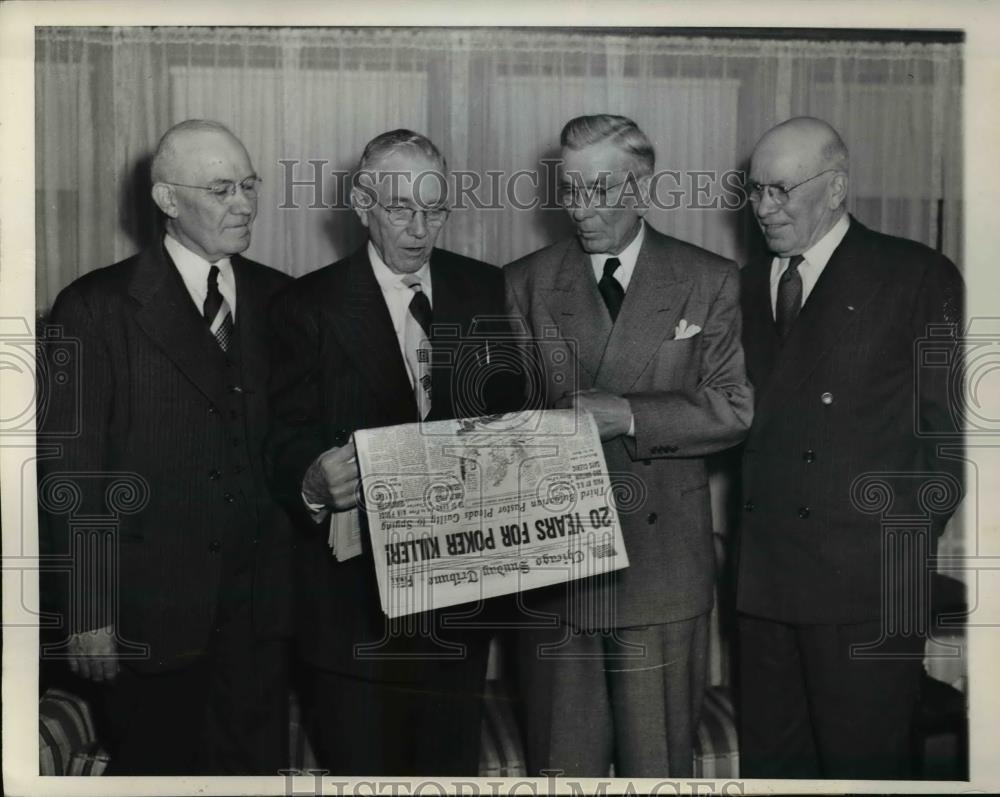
(317, 512)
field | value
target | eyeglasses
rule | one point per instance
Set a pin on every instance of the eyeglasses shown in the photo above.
(226, 189)
(402, 215)
(777, 193)
(587, 195)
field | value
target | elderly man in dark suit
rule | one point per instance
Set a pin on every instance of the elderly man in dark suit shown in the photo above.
(832, 587)
(171, 397)
(378, 339)
(648, 340)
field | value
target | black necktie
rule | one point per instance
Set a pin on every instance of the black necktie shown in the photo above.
(216, 311)
(789, 296)
(611, 289)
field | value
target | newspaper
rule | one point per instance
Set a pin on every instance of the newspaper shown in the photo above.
(469, 509)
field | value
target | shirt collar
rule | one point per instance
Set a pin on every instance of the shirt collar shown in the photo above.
(194, 270)
(188, 261)
(388, 279)
(627, 257)
(819, 254)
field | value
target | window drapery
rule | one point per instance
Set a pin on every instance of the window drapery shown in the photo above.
(305, 101)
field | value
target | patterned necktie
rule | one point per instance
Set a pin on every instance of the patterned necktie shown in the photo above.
(216, 311)
(417, 345)
(789, 301)
(611, 289)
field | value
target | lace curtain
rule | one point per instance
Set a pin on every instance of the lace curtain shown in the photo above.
(494, 101)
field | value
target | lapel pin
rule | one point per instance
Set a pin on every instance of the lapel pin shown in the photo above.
(850, 307)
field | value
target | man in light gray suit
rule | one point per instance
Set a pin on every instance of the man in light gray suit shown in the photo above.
(648, 341)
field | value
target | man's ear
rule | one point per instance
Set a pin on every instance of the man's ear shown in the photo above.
(163, 196)
(644, 183)
(362, 199)
(838, 190)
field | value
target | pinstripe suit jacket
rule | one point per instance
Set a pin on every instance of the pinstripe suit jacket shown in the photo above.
(162, 454)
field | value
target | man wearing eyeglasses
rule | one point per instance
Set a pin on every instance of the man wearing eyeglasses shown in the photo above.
(851, 470)
(382, 338)
(648, 341)
(185, 618)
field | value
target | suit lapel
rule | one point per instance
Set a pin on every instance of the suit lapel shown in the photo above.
(168, 316)
(451, 315)
(361, 321)
(845, 287)
(251, 326)
(578, 309)
(760, 335)
(653, 305)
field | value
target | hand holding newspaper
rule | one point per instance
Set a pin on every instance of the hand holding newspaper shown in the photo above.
(468, 509)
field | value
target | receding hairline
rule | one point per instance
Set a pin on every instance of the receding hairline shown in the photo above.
(164, 159)
(401, 141)
(811, 136)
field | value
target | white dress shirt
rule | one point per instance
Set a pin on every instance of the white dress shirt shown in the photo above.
(194, 271)
(397, 295)
(814, 261)
(626, 257)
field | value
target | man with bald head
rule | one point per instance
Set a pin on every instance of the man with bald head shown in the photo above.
(832, 596)
(171, 397)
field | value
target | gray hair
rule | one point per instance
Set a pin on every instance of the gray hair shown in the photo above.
(386, 143)
(620, 130)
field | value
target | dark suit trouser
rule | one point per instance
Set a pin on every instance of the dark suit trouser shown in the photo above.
(225, 714)
(632, 697)
(429, 727)
(811, 709)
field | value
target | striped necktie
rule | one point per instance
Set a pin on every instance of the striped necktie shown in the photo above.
(417, 345)
(216, 311)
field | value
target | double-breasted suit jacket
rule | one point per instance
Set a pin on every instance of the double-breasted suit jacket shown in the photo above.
(853, 425)
(675, 354)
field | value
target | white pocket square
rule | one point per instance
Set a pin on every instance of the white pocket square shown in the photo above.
(685, 330)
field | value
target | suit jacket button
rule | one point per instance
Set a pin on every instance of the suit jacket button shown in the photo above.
(229, 498)
(214, 475)
(749, 506)
(803, 512)
(212, 411)
(809, 455)
(651, 518)
(214, 546)
(827, 398)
